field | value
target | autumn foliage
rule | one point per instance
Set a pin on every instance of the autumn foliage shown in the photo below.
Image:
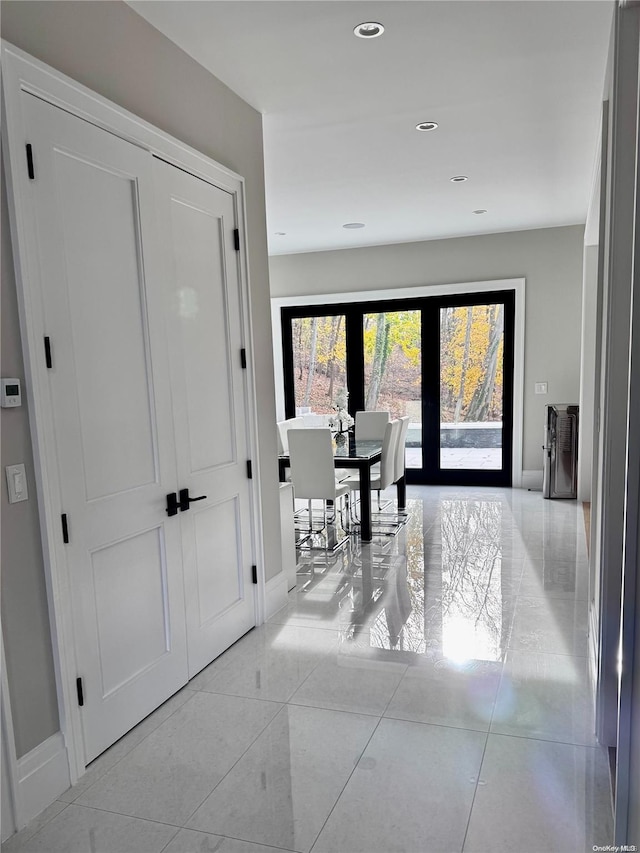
(471, 350)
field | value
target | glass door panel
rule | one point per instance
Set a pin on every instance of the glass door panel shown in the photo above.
(319, 362)
(393, 371)
(471, 387)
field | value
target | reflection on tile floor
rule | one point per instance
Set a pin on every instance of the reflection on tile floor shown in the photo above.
(426, 692)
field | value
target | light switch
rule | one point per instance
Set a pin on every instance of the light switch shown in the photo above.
(16, 483)
(541, 387)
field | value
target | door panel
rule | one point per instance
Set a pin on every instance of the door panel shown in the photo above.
(471, 386)
(129, 644)
(197, 222)
(318, 363)
(393, 371)
(104, 293)
(204, 332)
(470, 390)
(222, 590)
(111, 402)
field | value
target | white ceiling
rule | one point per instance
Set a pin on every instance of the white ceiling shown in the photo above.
(514, 86)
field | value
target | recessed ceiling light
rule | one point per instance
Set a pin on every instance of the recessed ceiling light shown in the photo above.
(353, 225)
(280, 233)
(427, 125)
(479, 211)
(368, 30)
(458, 179)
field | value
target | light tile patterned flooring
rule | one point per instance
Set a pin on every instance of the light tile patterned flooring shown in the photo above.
(427, 692)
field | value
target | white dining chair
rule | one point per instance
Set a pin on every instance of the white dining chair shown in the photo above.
(398, 517)
(370, 426)
(400, 460)
(283, 429)
(381, 477)
(312, 470)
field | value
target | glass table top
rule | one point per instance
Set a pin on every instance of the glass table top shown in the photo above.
(351, 449)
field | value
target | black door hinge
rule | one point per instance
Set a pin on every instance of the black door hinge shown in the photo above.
(30, 170)
(243, 358)
(249, 469)
(80, 692)
(47, 352)
(254, 574)
(65, 528)
(236, 239)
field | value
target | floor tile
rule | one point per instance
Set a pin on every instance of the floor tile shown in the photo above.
(557, 546)
(462, 626)
(252, 638)
(16, 842)
(276, 665)
(120, 748)
(347, 683)
(553, 579)
(190, 841)
(545, 696)
(391, 803)
(535, 796)
(282, 790)
(550, 625)
(169, 774)
(83, 830)
(308, 612)
(445, 693)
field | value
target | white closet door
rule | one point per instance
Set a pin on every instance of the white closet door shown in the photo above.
(197, 222)
(111, 399)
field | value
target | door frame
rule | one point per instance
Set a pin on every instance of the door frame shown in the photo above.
(620, 539)
(22, 73)
(408, 294)
(431, 472)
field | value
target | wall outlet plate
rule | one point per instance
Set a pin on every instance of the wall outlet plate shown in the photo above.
(541, 387)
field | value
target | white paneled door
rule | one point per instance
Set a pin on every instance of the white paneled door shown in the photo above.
(140, 301)
(197, 223)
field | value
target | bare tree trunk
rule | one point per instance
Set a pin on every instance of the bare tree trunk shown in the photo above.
(446, 333)
(337, 321)
(312, 361)
(379, 362)
(446, 317)
(300, 325)
(483, 395)
(465, 365)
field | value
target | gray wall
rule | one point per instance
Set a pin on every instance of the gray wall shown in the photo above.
(549, 259)
(109, 48)
(25, 618)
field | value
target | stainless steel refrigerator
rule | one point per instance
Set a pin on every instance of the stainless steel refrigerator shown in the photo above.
(560, 479)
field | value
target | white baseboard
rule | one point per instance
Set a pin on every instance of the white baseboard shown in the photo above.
(532, 480)
(275, 594)
(43, 774)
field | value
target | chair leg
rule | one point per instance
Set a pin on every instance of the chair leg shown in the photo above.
(346, 512)
(310, 529)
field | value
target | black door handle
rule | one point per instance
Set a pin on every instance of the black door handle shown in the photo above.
(185, 500)
(172, 503)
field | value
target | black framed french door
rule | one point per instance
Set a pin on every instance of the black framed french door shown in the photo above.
(446, 361)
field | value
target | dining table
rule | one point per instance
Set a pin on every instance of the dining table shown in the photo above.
(362, 456)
